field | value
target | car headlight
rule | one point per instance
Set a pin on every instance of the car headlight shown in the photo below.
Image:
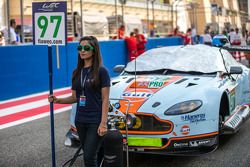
(184, 107)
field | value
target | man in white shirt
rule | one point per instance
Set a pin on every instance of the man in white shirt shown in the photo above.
(13, 36)
(207, 39)
(231, 35)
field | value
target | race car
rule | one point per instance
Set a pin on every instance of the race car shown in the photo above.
(178, 100)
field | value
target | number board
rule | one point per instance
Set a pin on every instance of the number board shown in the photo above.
(49, 23)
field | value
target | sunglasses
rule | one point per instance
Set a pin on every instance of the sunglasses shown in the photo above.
(87, 47)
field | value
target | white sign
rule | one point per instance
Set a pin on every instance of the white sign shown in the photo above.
(49, 23)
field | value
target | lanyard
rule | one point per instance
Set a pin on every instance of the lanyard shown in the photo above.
(84, 80)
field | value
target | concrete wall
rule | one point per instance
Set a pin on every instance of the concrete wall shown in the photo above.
(24, 69)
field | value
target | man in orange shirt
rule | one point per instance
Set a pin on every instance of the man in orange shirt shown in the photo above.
(132, 46)
(121, 32)
(141, 41)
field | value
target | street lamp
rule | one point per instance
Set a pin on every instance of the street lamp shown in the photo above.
(153, 17)
(123, 2)
(22, 23)
(81, 18)
(176, 12)
(116, 17)
(147, 18)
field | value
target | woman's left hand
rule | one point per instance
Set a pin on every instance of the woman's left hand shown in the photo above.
(102, 129)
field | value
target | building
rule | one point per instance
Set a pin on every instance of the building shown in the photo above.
(159, 15)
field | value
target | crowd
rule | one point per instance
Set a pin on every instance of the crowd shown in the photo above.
(135, 42)
(234, 35)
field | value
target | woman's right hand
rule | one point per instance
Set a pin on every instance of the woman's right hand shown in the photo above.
(52, 98)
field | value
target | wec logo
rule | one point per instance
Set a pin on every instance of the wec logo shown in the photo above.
(50, 6)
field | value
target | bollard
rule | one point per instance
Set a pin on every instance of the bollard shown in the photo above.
(113, 149)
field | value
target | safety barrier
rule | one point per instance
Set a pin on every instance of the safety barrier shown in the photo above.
(24, 68)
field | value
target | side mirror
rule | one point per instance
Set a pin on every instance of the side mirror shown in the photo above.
(236, 70)
(118, 68)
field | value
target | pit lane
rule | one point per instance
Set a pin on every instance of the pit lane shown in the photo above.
(29, 145)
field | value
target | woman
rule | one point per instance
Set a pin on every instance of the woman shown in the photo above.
(90, 90)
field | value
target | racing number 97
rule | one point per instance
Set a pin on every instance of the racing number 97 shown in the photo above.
(43, 22)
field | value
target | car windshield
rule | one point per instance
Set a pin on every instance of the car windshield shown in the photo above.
(169, 72)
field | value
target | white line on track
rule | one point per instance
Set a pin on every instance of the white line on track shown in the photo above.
(27, 106)
(33, 118)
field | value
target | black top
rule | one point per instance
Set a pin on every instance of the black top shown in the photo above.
(92, 111)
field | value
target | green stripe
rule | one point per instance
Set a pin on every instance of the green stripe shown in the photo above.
(149, 142)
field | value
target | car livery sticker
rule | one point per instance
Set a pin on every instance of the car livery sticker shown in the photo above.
(194, 118)
(142, 88)
(232, 100)
(185, 130)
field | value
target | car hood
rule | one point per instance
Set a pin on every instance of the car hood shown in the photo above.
(149, 94)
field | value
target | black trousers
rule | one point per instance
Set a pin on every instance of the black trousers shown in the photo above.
(90, 141)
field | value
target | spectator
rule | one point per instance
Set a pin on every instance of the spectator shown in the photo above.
(212, 33)
(141, 41)
(121, 32)
(236, 38)
(224, 32)
(194, 35)
(248, 38)
(13, 35)
(231, 34)
(177, 31)
(2, 40)
(132, 46)
(207, 38)
(187, 37)
(243, 38)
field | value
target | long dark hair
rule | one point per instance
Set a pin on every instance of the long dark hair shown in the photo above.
(96, 62)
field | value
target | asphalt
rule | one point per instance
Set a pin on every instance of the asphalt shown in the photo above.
(28, 145)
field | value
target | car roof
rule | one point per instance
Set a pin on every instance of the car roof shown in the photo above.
(189, 58)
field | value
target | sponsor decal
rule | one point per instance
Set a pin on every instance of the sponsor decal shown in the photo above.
(137, 94)
(232, 100)
(194, 118)
(155, 84)
(185, 130)
(152, 82)
(180, 145)
(149, 84)
(197, 143)
(142, 84)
